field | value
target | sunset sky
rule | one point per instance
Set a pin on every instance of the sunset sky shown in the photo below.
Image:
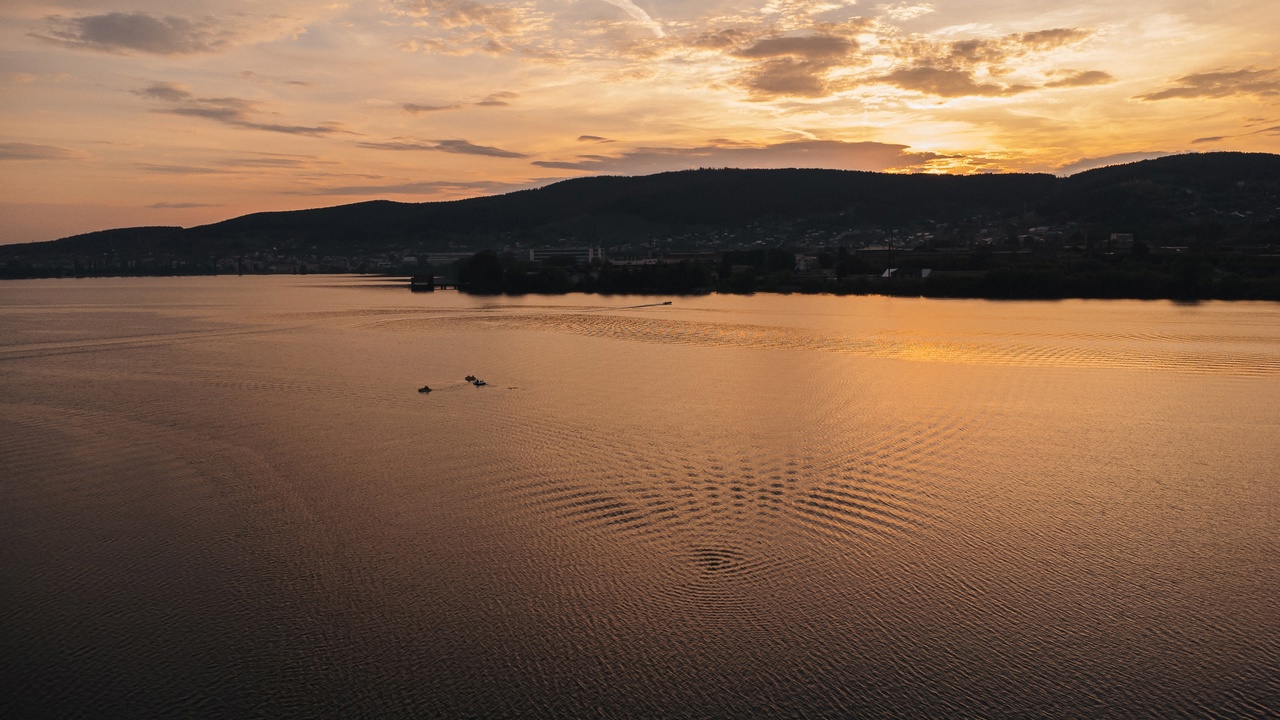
(151, 112)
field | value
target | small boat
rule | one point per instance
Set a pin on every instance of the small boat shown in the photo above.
(470, 378)
(424, 389)
(478, 382)
(667, 302)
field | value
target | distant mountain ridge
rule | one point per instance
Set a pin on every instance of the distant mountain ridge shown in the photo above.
(1149, 196)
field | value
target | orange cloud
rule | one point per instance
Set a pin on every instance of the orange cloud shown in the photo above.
(793, 66)
(1082, 79)
(464, 13)
(947, 83)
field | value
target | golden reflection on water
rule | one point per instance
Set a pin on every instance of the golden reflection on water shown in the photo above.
(790, 506)
(1252, 356)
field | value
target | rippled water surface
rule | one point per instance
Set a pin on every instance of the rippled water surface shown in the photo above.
(225, 497)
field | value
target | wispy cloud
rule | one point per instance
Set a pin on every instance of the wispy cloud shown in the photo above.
(903, 11)
(1259, 82)
(165, 91)
(460, 147)
(268, 80)
(972, 53)
(258, 163)
(948, 83)
(1273, 131)
(498, 99)
(639, 15)
(1081, 79)
(428, 189)
(463, 27)
(415, 109)
(463, 13)
(232, 111)
(119, 32)
(165, 169)
(29, 151)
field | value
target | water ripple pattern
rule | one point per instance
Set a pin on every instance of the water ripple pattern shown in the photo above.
(738, 523)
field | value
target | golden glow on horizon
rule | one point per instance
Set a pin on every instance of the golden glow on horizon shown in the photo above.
(151, 112)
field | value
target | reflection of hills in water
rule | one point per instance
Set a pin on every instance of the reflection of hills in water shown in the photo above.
(1196, 353)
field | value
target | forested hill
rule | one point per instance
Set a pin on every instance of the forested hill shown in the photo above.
(1153, 198)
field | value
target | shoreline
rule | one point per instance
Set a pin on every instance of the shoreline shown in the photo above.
(1005, 286)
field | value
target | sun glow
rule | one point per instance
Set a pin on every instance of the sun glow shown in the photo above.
(166, 116)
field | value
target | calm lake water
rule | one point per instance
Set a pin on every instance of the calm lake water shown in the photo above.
(224, 497)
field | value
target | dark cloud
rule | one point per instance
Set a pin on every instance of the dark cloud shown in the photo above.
(973, 52)
(593, 138)
(137, 32)
(1248, 81)
(1041, 40)
(461, 147)
(793, 66)
(270, 162)
(815, 47)
(803, 153)
(28, 151)
(1218, 138)
(166, 91)
(787, 77)
(1082, 79)
(183, 169)
(947, 83)
(233, 112)
(498, 99)
(236, 112)
(415, 109)
(465, 148)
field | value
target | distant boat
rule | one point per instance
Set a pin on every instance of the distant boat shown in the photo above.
(424, 389)
(667, 302)
(470, 378)
(478, 382)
